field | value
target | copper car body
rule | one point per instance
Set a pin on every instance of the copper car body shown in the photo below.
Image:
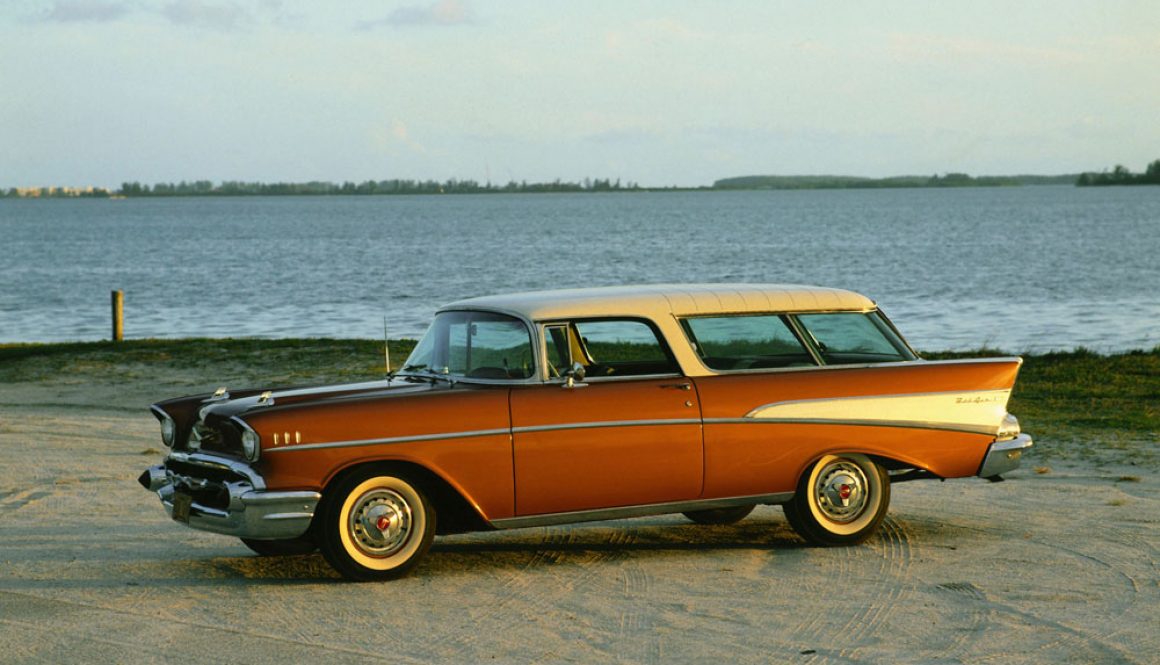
(588, 404)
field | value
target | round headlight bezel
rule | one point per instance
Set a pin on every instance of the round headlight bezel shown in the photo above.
(168, 431)
(251, 444)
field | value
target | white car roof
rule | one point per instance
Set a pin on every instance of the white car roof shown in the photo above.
(664, 300)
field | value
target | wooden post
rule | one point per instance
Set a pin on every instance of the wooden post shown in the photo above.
(118, 316)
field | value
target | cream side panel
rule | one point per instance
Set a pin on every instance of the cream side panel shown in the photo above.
(970, 411)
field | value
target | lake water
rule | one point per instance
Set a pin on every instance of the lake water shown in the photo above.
(1021, 269)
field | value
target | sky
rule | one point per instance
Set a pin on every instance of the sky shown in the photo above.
(100, 92)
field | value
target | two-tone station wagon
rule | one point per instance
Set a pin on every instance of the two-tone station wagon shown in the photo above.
(592, 404)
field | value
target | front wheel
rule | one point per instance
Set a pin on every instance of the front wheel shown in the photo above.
(840, 500)
(376, 525)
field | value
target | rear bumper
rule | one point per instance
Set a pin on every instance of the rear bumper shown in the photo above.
(1004, 456)
(237, 506)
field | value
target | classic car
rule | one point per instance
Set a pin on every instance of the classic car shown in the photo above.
(566, 406)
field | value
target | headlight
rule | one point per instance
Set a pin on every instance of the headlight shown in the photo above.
(1009, 428)
(250, 444)
(168, 431)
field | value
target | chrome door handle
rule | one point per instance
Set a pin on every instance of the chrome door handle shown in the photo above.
(677, 386)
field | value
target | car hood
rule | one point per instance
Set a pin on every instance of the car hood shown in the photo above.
(249, 401)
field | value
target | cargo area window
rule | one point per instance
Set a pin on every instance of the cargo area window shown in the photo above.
(844, 338)
(759, 341)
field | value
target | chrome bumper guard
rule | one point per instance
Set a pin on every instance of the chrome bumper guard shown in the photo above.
(251, 511)
(1004, 456)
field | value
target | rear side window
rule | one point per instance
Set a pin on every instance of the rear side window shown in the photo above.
(746, 342)
(854, 337)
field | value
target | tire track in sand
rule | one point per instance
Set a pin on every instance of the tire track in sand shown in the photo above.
(890, 585)
(637, 626)
(13, 500)
(867, 582)
(989, 612)
(561, 564)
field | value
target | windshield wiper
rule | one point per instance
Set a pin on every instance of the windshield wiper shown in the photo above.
(425, 372)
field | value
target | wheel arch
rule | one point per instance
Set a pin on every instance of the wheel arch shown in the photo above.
(908, 469)
(893, 463)
(456, 513)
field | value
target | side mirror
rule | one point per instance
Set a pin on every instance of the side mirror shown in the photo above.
(573, 375)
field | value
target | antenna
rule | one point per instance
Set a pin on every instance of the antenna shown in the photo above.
(386, 346)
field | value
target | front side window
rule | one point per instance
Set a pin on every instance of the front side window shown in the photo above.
(854, 337)
(746, 342)
(611, 348)
(476, 345)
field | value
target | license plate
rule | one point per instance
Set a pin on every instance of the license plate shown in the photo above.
(181, 505)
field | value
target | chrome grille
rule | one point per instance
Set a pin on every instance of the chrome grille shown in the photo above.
(204, 436)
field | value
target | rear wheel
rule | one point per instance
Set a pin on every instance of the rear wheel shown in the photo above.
(840, 500)
(720, 515)
(376, 525)
(289, 547)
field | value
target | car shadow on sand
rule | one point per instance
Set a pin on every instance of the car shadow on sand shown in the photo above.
(638, 540)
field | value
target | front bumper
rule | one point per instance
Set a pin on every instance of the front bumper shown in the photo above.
(228, 497)
(1004, 456)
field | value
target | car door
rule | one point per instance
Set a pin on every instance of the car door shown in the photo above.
(628, 433)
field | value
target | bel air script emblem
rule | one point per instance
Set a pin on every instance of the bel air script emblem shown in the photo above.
(977, 399)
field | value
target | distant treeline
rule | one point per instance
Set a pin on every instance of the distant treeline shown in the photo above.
(367, 188)
(1122, 176)
(319, 188)
(854, 182)
(1118, 176)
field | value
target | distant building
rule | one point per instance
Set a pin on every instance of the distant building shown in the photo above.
(56, 192)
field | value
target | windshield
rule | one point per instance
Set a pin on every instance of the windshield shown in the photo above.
(474, 345)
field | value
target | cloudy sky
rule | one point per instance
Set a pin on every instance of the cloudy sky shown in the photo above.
(661, 93)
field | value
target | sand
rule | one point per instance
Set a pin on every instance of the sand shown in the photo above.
(1059, 566)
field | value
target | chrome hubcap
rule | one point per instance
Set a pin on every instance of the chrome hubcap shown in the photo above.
(380, 522)
(840, 491)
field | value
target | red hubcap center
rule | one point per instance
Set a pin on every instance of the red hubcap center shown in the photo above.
(844, 491)
(383, 523)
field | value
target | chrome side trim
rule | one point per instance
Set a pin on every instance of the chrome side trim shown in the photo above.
(607, 423)
(625, 512)
(485, 432)
(634, 377)
(390, 440)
